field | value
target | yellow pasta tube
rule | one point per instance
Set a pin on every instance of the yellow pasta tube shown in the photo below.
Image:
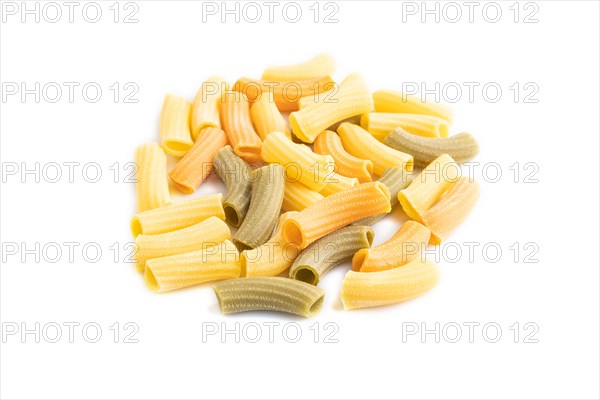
(451, 210)
(372, 289)
(336, 211)
(188, 269)
(336, 183)
(406, 245)
(390, 101)
(209, 232)
(381, 124)
(196, 165)
(177, 216)
(352, 98)
(273, 257)
(299, 162)
(298, 196)
(320, 65)
(175, 135)
(427, 188)
(207, 105)
(329, 142)
(152, 186)
(361, 144)
(235, 118)
(267, 118)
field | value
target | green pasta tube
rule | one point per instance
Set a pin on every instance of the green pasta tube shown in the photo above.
(237, 176)
(268, 185)
(462, 147)
(333, 249)
(396, 179)
(269, 293)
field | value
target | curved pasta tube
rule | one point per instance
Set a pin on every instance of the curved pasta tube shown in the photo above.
(381, 124)
(265, 204)
(152, 187)
(352, 98)
(396, 179)
(300, 163)
(451, 210)
(427, 188)
(237, 176)
(175, 135)
(189, 173)
(273, 257)
(287, 95)
(320, 65)
(207, 233)
(329, 142)
(372, 289)
(177, 216)
(462, 147)
(390, 101)
(206, 106)
(235, 118)
(361, 144)
(406, 245)
(269, 293)
(335, 211)
(336, 183)
(331, 250)
(298, 196)
(188, 269)
(266, 118)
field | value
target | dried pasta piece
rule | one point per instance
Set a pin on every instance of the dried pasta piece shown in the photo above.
(266, 118)
(462, 147)
(175, 135)
(329, 142)
(298, 196)
(209, 232)
(335, 211)
(406, 245)
(351, 98)
(372, 289)
(336, 183)
(189, 173)
(177, 216)
(287, 94)
(152, 186)
(451, 210)
(235, 118)
(188, 269)
(237, 176)
(331, 250)
(390, 101)
(300, 162)
(267, 195)
(206, 107)
(381, 124)
(269, 293)
(427, 188)
(361, 144)
(320, 65)
(273, 257)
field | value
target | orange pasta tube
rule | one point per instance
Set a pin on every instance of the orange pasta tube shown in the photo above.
(235, 118)
(329, 142)
(266, 118)
(336, 211)
(451, 210)
(402, 248)
(195, 166)
(321, 64)
(207, 105)
(287, 95)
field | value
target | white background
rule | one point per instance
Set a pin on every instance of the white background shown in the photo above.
(171, 50)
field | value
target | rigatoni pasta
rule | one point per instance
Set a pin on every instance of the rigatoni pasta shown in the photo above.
(266, 118)
(206, 106)
(235, 119)
(336, 183)
(175, 135)
(237, 176)
(381, 124)
(320, 65)
(328, 142)
(390, 101)
(152, 187)
(298, 196)
(187, 269)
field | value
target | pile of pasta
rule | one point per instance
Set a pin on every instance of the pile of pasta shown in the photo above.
(302, 190)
